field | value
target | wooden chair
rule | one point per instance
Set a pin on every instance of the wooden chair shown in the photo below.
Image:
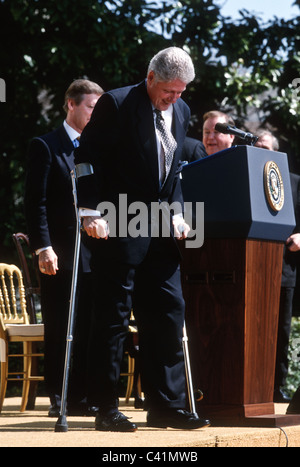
(131, 350)
(29, 266)
(30, 272)
(15, 327)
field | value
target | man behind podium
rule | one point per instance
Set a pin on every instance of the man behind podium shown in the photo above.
(123, 144)
(290, 262)
(213, 140)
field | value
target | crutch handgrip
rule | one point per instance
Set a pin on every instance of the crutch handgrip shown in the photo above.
(83, 169)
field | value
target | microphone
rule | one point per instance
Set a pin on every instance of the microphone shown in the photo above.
(232, 130)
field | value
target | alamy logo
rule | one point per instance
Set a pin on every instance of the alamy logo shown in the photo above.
(139, 219)
(2, 90)
(296, 84)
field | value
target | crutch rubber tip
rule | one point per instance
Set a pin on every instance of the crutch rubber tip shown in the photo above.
(61, 425)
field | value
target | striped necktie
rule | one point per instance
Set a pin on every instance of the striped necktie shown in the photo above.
(168, 142)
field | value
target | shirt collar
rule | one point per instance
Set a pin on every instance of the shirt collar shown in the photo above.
(166, 113)
(73, 134)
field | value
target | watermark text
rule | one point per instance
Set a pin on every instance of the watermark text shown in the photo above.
(296, 84)
(139, 219)
(2, 90)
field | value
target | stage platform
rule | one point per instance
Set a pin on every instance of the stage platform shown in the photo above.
(36, 429)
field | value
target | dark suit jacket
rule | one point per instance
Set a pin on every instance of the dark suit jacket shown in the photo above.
(49, 208)
(193, 150)
(291, 259)
(120, 143)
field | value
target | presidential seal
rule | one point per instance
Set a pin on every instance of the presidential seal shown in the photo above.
(273, 186)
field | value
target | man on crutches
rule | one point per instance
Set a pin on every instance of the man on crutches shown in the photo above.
(134, 141)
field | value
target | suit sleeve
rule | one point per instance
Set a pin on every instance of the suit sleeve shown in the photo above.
(38, 169)
(95, 143)
(199, 152)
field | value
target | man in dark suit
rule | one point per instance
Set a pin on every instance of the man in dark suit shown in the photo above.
(267, 140)
(124, 142)
(192, 150)
(51, 228)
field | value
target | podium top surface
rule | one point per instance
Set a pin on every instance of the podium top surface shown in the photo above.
(246, 193)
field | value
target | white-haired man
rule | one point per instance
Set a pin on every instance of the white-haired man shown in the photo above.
(124, 142)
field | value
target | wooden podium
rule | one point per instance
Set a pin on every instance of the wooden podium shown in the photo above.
(232, 283)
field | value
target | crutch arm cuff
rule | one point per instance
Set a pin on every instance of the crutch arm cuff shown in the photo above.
(85, 212)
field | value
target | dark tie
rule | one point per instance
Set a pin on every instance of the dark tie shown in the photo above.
(168, 142)
(76, 142)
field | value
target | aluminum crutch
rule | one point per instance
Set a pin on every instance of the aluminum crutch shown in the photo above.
(188, 373)
(79, 171)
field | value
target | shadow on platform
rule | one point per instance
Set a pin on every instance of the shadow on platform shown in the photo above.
(35, 429)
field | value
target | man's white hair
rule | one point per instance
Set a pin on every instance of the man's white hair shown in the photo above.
(172, 63)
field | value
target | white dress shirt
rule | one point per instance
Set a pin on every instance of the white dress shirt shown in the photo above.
(73, 135)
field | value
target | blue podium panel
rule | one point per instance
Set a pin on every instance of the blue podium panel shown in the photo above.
(246, 193)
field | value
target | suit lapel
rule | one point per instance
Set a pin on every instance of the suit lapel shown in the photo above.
(146, 134)
(147, 138)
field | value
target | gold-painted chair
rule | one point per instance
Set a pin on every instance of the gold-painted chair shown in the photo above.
(31, 278)
(15, 327)
(29, 267)
(131, 350)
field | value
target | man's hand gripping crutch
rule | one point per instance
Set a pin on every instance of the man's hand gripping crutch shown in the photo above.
(94, 225)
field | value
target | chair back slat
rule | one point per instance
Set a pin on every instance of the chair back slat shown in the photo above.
(12, 295)
(30, 270)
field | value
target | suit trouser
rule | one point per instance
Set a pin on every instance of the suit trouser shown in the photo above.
(153, 288)
(55, 299)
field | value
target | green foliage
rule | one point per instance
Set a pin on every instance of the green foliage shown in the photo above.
(293, 379)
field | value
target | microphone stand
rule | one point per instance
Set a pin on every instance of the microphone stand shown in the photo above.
(249, 138)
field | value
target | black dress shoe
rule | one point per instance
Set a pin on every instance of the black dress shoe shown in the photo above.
(54, 410)
(82, 410)
(114, 422)
(138, 403)
(180, 419)
(91, 411)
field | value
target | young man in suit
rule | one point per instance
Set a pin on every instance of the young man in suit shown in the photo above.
(124, 142)
(51, 227)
